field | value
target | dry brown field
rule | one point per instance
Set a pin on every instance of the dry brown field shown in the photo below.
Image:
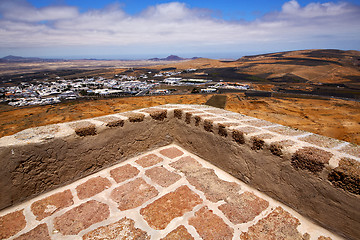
(335, 118)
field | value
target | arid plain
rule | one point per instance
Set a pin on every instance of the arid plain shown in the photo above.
(324, 71)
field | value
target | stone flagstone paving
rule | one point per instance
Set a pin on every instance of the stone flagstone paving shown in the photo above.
(167, 193)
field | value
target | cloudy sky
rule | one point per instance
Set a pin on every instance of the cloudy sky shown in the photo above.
(147, 28)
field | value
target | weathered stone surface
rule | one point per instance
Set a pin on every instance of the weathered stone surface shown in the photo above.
(188, 118)
(162, 176)
(180, 233)
(217, 111)
(133, 194)
(92, 187)
(205, 180)
(84, 128)
(11, 224)
(49, 205)
(178, 113)
(41, 232)
(116, 123)
(134, 117)
(310, 158)
(123, 229)
(214, 188)
(351, 149)
(149, 160)
(44, 132)
(197, 120)
(265, 136)
(210, 226)
(222, 130)
(279, 224)
(276, 149)
(257, 143)
(243, 208)
(157, 113)
(258, 123)
(286, 131)
(248, 130)
(172, 152)
(186, 164)
(238, 136)
(321, 141)
(123, 173)
(208, 125)
(81, 217)
(162, 211)
(346, 175)
(324, 238)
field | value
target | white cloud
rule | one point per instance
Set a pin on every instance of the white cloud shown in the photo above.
(175, 26)
(20, 10)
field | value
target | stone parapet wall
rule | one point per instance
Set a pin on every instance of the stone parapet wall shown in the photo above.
(316, 175)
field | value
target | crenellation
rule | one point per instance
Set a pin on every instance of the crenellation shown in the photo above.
(286, 163)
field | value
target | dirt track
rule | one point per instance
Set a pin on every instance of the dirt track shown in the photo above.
(334, 118)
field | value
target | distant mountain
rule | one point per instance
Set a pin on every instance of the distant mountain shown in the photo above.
(18, 59)
(172, 58)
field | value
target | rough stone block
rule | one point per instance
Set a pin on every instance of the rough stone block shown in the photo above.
(162, 211)
(279, 224)
(134, 117)
(188, 118)
(346, 175)
(157, 113)
(259, 123)
(89, 130)
(79, 218)
(310, 158)
(116, 123)
(44, 132)
(285, 131)
(321, 141)
(162, 176)
(351, 149)
(172, 152)
(238, 136)
(41, 232)
(222, 130)
(243, 208)
(186, 164)
(248, 130)
(197, 120)
(214, 188)
(276, 149)
(133, 194)
(180, 233)
(208, 125)
(257, 143)
(50, 205)
(92, 187)
(123, 173)
(11, 224)
(149, 160)
(111, 121)
(178, 113)
(122, 229)
(210, 226)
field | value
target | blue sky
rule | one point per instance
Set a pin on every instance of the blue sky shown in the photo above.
(145, 28)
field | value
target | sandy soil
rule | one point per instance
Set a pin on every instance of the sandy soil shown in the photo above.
(333, 118)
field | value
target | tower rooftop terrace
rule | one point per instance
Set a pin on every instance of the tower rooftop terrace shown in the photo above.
(177, 172)
(167, 193)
